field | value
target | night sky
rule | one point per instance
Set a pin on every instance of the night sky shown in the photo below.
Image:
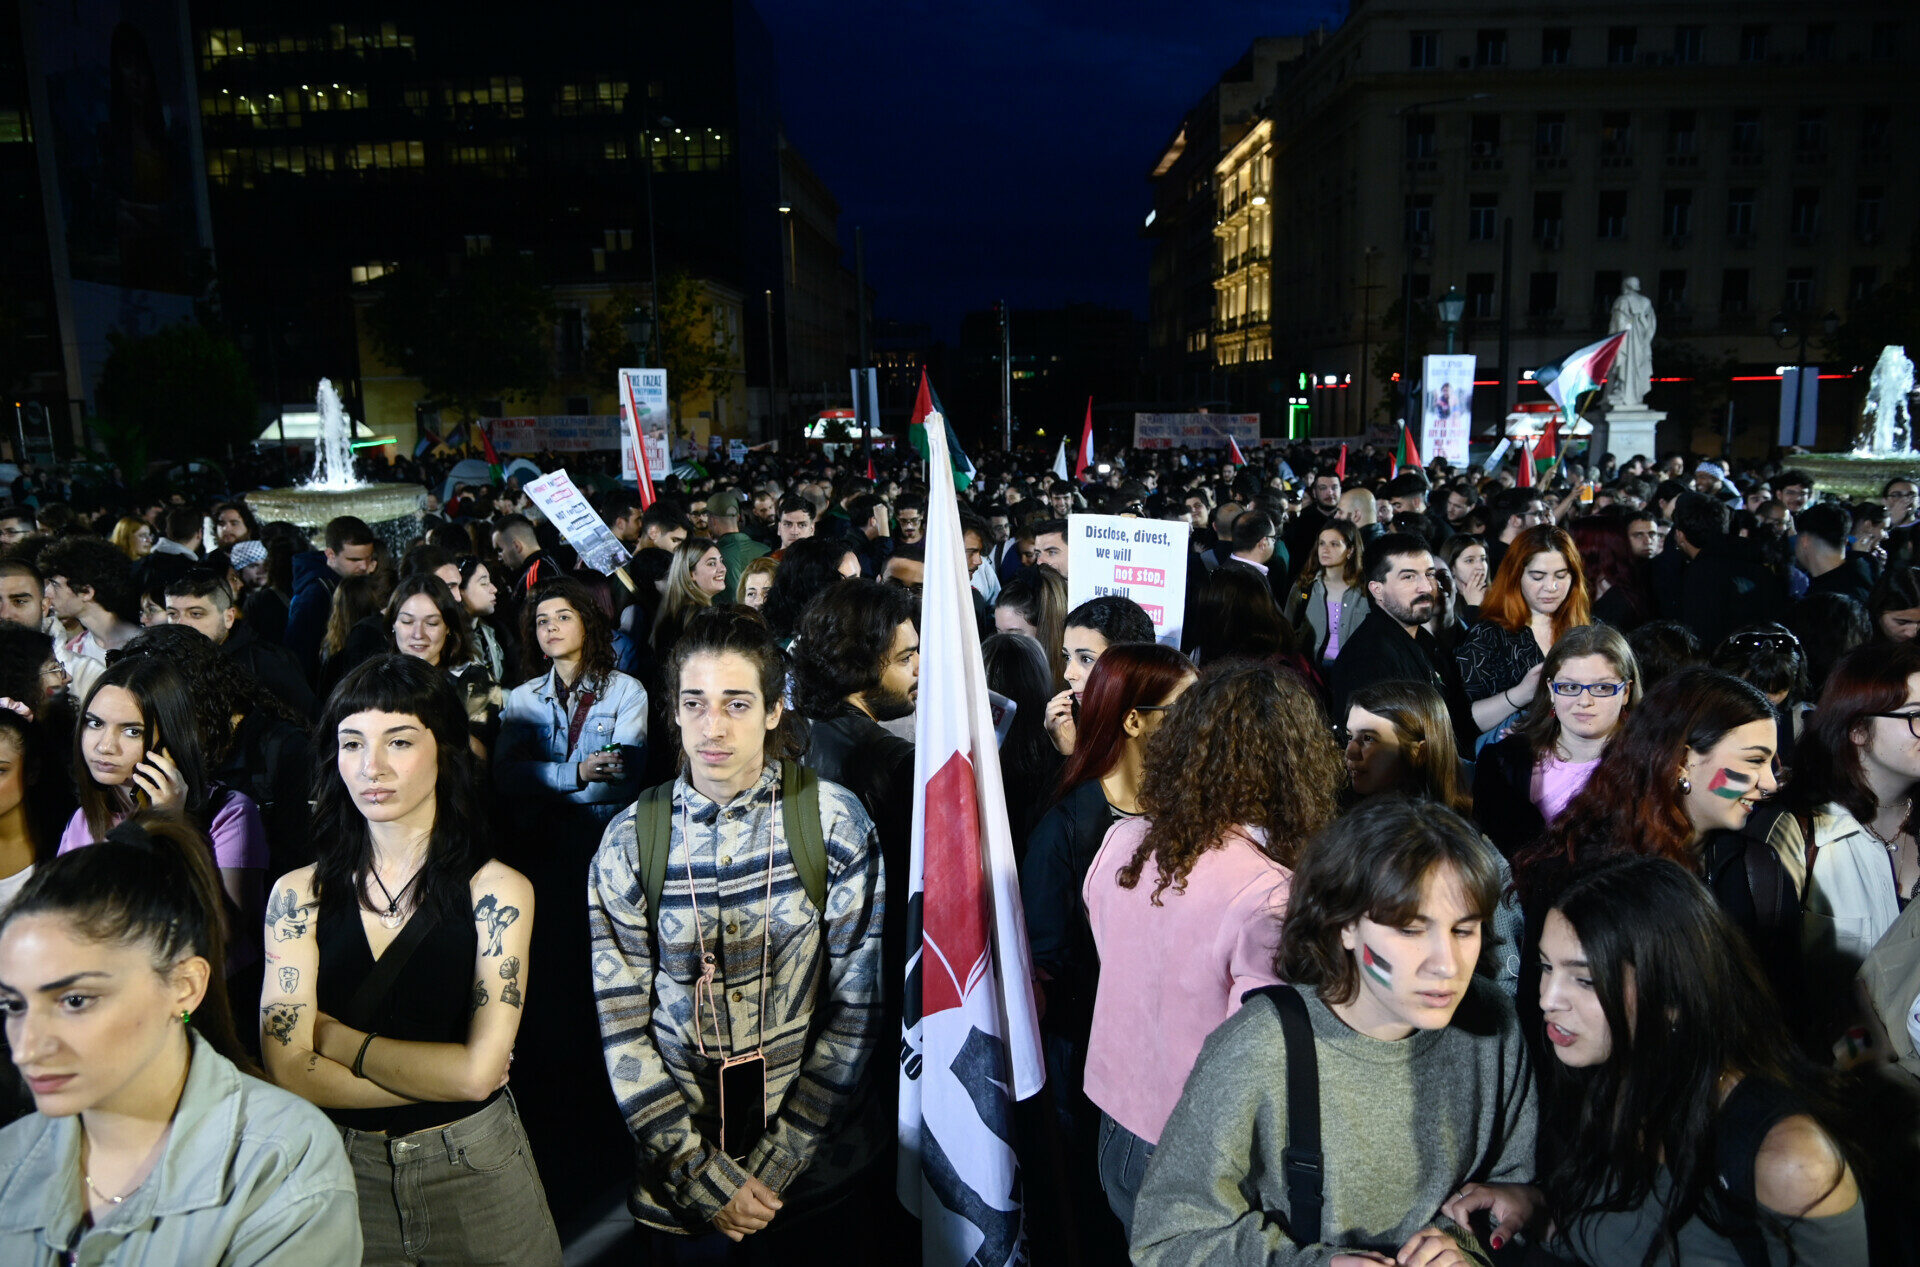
(995, 150)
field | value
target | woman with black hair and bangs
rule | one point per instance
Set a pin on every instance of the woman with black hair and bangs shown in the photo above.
(397, 970)
(1690, 1129)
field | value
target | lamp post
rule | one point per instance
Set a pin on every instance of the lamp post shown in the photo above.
(1451, 305)
(1800, 324)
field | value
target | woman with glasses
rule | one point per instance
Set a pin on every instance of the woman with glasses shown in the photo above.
(1523, 783)
(1852, 800)
(1127, 697)
(1539, 593)
(1186, 901)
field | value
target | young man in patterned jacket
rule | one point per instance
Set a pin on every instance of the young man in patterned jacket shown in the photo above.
(734, 897)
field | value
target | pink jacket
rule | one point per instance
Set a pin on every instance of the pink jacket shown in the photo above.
(1170, 973)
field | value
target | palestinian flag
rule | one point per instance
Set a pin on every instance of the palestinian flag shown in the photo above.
(1408, 456)
(493, 459)
(924, 405)
(1579, 373)
(1234, 456)
(1083, 456)
(1340, 467)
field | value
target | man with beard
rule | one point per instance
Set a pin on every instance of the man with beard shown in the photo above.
(1392, 644)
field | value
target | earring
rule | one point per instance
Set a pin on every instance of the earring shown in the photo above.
(1686, 785)
(186, 1017)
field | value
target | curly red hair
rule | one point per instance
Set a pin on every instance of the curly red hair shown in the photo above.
(1506, 606)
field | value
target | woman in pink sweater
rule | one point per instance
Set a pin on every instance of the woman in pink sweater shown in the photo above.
(1186, 901)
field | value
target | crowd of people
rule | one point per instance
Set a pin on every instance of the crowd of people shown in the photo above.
(1497, 871)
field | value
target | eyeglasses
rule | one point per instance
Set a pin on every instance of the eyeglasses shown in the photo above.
(1599, 690)
(1912, 720)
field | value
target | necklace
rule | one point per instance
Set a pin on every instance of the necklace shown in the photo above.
(391, 917)
(1893, 853)
(111, 1200)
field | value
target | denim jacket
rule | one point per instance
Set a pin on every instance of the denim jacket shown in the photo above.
(250, 1174)
(533, 758)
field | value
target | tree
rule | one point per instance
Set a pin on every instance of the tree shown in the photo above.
(610, 348)
(181, 391)
(1705, 383)
(696, 348)
(484, 333)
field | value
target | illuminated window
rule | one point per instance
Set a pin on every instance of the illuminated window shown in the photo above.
(595, 96)
(15, 127)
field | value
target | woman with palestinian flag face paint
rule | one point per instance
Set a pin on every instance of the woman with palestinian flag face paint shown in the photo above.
(1420, 1067)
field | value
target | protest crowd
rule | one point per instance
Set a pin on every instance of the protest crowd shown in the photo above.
(1498, 867)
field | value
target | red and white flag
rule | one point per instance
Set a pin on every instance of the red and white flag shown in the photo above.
(1083, 456)
(1234, 456)
(971, 1035)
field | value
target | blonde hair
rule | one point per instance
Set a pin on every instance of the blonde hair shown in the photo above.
(682, 597)
(124, 533)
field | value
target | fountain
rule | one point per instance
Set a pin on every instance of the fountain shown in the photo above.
(1885, 450)
(392, 510)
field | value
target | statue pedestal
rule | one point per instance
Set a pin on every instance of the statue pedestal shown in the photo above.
(1626, 430)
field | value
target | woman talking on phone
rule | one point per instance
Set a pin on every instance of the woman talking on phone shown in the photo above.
(138, 747)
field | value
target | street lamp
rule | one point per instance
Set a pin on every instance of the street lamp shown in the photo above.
(639, 326)
(1451, 305)
(1800, 324)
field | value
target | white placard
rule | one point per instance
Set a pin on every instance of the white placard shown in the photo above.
(1446, 413)
(578, 522)
(1141, 559)
(1194, 431)
(643, 412)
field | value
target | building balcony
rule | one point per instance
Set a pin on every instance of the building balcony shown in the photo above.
(1617, 162)
(1549, 163)
(1485, 164)
(1747, 158)
(1683, 162)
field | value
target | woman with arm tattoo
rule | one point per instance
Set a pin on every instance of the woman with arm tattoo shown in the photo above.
(396, 975)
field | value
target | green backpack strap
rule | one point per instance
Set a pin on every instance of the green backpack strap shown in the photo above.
(653, 837)
(800, 816)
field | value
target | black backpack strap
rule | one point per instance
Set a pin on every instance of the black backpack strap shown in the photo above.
(1753, 1108)
(1302, 1163)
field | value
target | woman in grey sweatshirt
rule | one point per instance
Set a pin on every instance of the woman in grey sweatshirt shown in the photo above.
(1424, 1078)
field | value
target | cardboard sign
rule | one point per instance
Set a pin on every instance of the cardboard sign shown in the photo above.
(643, 418)
(1141, 559)
(569, 511)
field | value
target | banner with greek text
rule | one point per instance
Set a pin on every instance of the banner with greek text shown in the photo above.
(1194, 431)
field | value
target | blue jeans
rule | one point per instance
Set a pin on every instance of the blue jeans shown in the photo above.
(1123, 1164)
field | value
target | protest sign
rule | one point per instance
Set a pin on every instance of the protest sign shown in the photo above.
(557, 433)
(643, 415)
(1141, 559)
(569, 511)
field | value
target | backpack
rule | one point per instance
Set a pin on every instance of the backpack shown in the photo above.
(1302, 1163)
(799, 814)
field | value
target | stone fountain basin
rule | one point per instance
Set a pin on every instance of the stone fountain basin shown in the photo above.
(391, 510)
(1848, 475)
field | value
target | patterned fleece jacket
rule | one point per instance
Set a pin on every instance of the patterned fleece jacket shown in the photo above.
(823, 994)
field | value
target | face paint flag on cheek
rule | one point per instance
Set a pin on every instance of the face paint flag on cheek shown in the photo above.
(1376, 965)
(1729, 784)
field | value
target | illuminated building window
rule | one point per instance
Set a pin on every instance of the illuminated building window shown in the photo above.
(15, 127)
(594, 96)
(371, 272)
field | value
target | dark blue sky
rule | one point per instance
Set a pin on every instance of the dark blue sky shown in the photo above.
(995, 150)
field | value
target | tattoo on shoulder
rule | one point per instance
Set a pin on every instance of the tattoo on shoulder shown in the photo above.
(510, 973)
(289, 980)
(286, 916)
(493, 918)
(280, 1019)
(479, 997)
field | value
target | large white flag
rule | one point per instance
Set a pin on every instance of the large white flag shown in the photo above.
(972, 1038)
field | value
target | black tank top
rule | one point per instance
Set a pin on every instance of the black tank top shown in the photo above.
(431, 1002)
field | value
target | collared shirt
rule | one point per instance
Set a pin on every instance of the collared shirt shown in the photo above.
(823, 995)
(249, 1174)
(534, 756)
(1244, 561)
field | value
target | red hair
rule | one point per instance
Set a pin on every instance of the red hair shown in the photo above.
(1124, 678)
(1506, 606)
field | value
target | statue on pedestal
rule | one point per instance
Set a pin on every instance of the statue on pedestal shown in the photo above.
(1632, 373)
